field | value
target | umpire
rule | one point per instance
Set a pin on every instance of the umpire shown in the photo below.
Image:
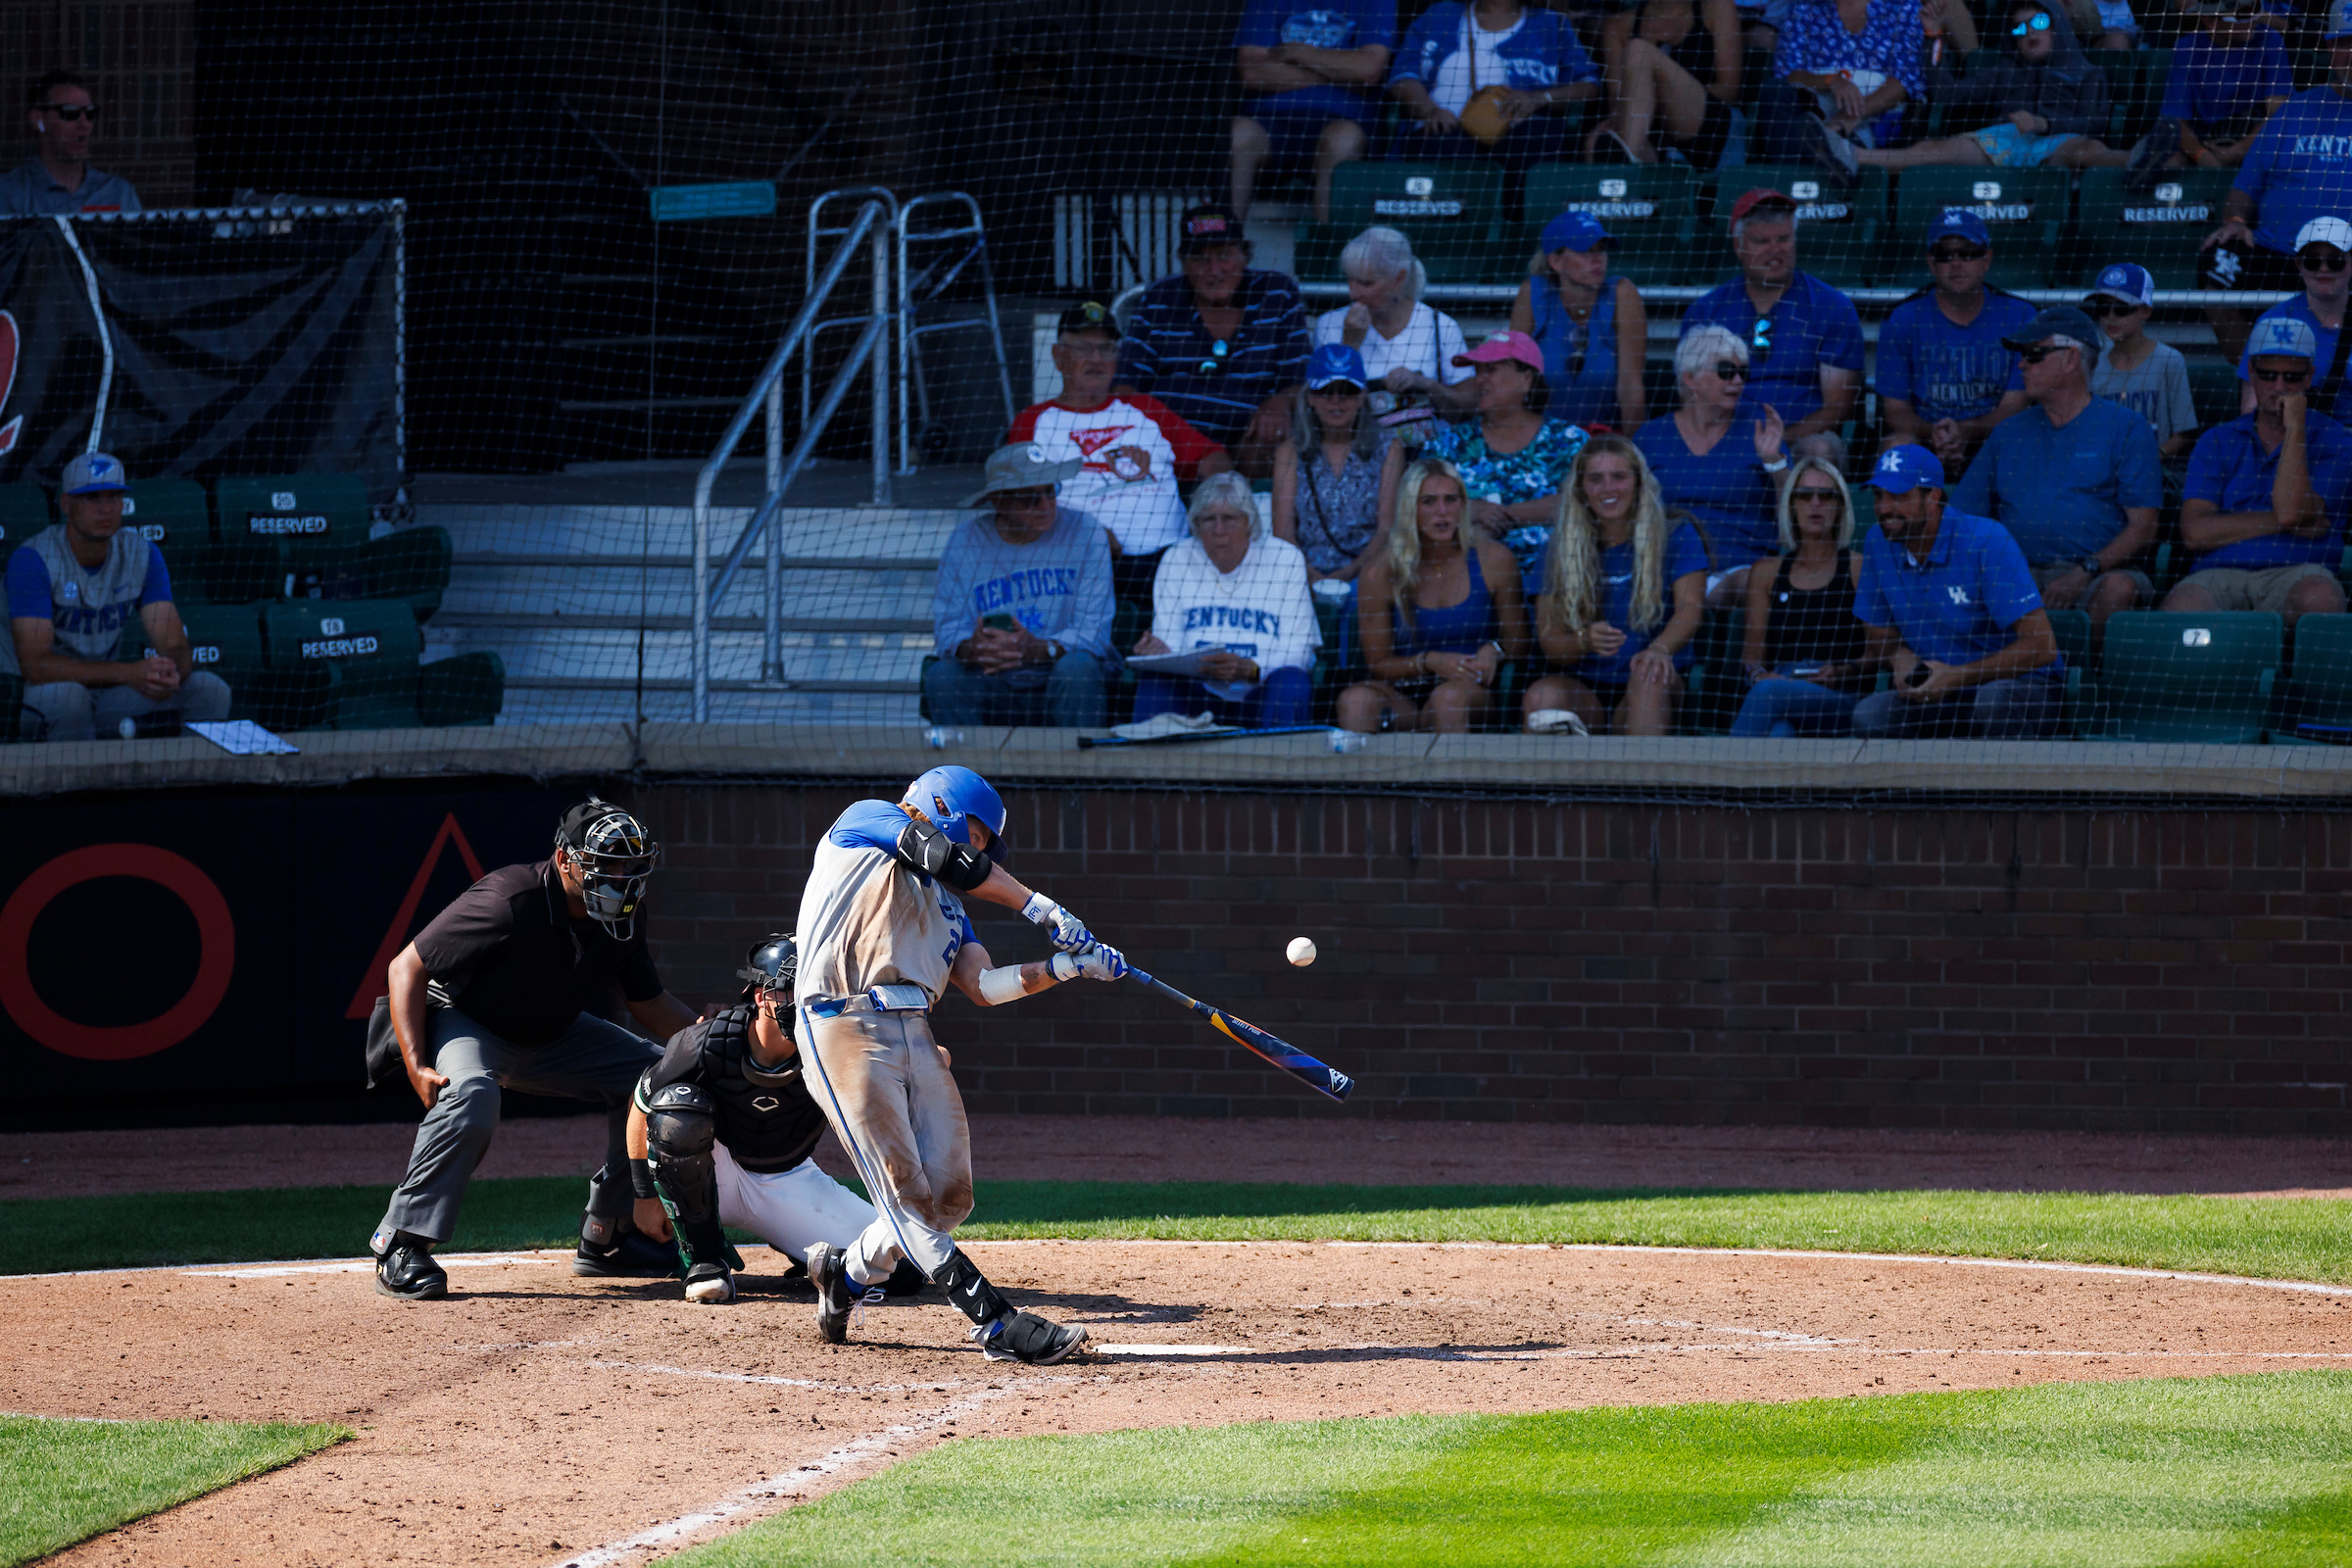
(495, 993)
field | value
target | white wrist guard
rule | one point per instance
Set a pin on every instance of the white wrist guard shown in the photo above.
(1001, 985)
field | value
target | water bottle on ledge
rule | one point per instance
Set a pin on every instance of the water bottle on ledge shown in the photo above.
(939, 737)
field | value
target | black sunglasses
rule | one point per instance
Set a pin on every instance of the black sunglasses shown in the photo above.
(1813, 493)
(2103, 309)
(1959, 253)
(2042, 351)
(2313, 263)
(2290, 377)
(1730, 370)
(70, 113)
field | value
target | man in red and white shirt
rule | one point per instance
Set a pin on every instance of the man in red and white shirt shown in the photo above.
(1133, 449)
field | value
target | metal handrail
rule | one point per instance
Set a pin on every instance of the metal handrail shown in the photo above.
(767, 394)
(909, 366)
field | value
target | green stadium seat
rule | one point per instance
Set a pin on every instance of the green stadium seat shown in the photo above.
(322, 522)
(176, 518)
(1451, 212)
(2316, 700)
(1841, 237)
(2170, 676)
(226, 641)
(2027, 211)
(1651, 216)
(23, 513)
(411, 565)
(368, 651)
(2160, 230)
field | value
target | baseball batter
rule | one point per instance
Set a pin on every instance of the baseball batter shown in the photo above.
(722, 1130)
(883, 933)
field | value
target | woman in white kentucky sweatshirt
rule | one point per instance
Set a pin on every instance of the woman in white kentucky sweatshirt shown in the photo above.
(1238, 595)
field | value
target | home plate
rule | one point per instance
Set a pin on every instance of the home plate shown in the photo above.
(1171, 1350)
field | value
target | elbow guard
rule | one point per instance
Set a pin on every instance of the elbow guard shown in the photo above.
(1001, 985)
(923, 847)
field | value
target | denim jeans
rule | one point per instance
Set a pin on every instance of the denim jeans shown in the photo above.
(2023, 708)
(1281, 700)
(1070, 697)
(1784, 705)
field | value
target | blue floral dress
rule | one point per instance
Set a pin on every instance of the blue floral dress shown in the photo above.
(1538, 468)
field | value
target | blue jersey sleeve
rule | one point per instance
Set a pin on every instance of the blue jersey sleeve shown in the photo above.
(1425, 42)
(1575, 64)
(2208, 467)
(29, 586)
(2005, 581)
(2176, 84)
(157, 589)
(1686, 553)
(870, 825)
(1376, 24)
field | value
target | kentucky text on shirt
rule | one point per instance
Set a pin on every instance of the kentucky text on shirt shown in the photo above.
(1219, 617)
(1037, 582)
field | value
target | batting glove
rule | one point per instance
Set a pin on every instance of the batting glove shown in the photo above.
(1095, 962)
(1069, 932)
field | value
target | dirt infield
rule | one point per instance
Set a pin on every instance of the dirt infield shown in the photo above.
(1145, 1148)
(539, 1419)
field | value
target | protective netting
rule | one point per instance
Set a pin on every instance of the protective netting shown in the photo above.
(430, 368)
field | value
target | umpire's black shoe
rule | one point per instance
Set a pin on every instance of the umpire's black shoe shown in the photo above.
(836, 1296)
(407, 1271)
(634, 1255)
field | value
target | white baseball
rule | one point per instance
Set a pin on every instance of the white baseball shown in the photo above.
(1300, 951)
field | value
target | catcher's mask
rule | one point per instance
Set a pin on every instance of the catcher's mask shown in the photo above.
(616, 858)
(772, 966)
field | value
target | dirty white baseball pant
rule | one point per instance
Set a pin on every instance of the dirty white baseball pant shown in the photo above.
(883, 1083)
(790, 1210)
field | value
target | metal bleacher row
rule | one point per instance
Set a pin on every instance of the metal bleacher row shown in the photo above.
(290, 597)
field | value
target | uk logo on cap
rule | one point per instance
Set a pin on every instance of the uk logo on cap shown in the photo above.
(2283, 337)
(1904, 469)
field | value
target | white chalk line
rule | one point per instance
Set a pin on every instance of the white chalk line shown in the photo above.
(792, 1484)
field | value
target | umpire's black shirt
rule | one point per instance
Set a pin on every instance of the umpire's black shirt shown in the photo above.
(764, 1115)
(508, 954)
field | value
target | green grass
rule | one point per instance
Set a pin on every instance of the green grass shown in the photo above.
(65, 1480)
(2271, 1238)
(2251, 1470)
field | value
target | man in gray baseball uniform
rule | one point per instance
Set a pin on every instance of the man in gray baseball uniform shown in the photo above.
(72, 589)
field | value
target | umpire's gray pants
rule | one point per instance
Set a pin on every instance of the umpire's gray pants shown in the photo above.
(591, 1061)
(66, 710)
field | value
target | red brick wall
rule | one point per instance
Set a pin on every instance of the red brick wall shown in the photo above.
(1487, 959)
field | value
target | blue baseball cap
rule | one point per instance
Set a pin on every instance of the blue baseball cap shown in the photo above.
(2285, 337)
(1581, 231)
(1333, 363)
(1905, 468)
(92, 473)
(1960, 222)
(2339, 21)
(2126, 281)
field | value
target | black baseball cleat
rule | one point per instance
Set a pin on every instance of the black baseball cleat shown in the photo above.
(710, 1284)
(1029, 1338)
(407, 1271)
(836, 1296)
(634, 1255)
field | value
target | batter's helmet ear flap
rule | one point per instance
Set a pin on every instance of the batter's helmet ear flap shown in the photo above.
(949, 796)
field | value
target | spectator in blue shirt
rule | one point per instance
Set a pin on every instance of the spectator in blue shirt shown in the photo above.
(1725, 475)
(2323, 258)
(1846, 66)
(1945, 380)
(71, 592)
(1954, 615)
(2075, 478)
(2299, 167)
(1310, 84)
(59, 178)
(1223, 345)
(1021, 609)
(2267, 494)
(2226, 79)
(1619, 593)
(1486, 80)
(1804, 340)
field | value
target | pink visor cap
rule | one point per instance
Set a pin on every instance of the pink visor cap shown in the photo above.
(1505, 346)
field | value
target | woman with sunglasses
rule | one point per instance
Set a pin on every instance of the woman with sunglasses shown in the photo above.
(1439, 612)
(1327, 472)
(1511, 457)
(1726, 478)
(1619, 595)
(2049, 104)
(1804, 645)
(2324, 260)
(1593, 327)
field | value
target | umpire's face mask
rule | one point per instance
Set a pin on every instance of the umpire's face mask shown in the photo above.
(613, 886)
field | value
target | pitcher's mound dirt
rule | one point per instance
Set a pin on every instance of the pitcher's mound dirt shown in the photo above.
(539, 1419)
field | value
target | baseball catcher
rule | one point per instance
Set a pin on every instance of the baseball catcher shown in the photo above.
(883, 933)
(722, 1129)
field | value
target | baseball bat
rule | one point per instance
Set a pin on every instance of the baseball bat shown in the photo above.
(1280, 1053)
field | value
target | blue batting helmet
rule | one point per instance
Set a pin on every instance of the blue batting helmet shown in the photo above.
(950, 794)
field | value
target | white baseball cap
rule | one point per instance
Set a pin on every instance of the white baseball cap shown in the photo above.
(2326, 231)
(2282, 337)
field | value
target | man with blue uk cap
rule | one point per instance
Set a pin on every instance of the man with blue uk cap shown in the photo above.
(1954, 615)
(2299, 167)
(1592, 327)
(2324, 256)
(72, 590)
(1944, 378)
(2264, 510)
